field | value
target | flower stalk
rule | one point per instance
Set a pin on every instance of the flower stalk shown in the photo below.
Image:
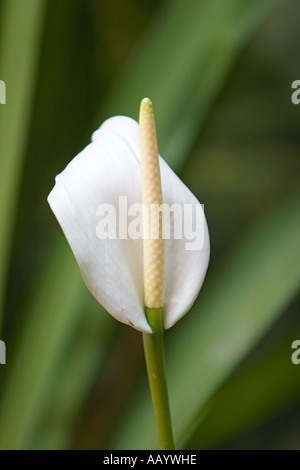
(155, 360)
(154, 274)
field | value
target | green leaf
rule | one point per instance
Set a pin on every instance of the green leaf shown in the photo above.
(254, 393)
(182, 65)
(38, 348)
(76, 375)
(54, 307)
(233, 312)
(20, 30)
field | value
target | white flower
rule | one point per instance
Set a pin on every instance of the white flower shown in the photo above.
(109, 167)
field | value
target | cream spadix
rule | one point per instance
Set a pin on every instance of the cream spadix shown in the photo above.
(107, 169)
(153, 242)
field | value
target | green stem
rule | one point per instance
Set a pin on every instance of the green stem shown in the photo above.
(154, 354)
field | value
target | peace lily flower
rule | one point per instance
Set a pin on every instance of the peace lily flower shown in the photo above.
(121, 161)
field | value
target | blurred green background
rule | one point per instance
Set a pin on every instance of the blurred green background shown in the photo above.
(219, 73)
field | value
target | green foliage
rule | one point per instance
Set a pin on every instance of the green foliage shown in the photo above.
(19, 47)
(193, 49)
(252, 394)
(67, 63)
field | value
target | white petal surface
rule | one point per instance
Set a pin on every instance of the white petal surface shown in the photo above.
(105, 169)
(185, 269)
(113, 269)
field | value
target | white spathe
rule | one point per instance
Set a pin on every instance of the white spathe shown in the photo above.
(107, 168)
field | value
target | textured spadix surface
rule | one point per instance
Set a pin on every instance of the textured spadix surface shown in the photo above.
(109, 167)
(153, 242)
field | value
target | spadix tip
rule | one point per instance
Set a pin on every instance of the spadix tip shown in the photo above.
(146, 103)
